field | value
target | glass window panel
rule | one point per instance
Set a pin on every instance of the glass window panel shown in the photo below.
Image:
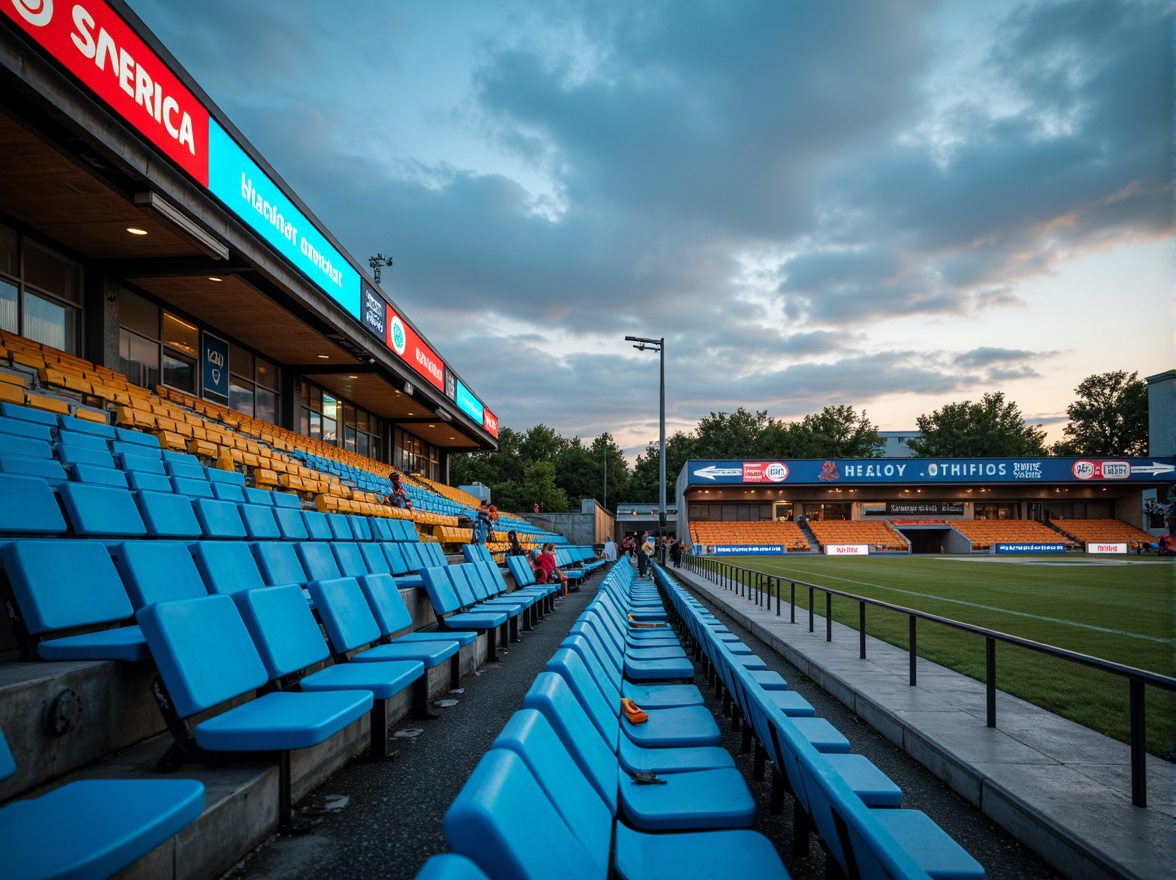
(241, 396)
(266, 405)
(9, 307)
(9, 255)
(179, 334)
(362, 420)
(179, 371)
(304, 422)
(329, 430)
(316, 426)
(361, 444)
(138, 359)
(51, 272)
(241, 361)
(49, 323)
(349, 438)
(304, 394)
(316, 398)
(330, 408)
(138, 314)
(268, 376)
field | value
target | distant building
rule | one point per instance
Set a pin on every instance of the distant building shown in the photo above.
(1161, 413)
(896, 443)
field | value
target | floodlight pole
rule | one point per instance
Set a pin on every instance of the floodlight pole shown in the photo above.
(658, 345)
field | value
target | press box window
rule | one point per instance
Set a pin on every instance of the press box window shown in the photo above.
(181, 348)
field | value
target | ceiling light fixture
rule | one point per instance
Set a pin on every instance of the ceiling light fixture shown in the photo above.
(135, 230)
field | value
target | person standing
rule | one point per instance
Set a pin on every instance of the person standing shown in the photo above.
(482, 523)
(676, 554)
(610, 549)
(643, 549)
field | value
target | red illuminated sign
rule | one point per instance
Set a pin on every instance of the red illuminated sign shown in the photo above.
(403, 340)
(764, 472)
(490, 422)
(101, 50)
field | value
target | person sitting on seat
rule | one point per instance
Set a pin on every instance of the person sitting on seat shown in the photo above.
(398, 496)
(515, 548)
(545, 563)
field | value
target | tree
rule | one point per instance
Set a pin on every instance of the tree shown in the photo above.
(992, 428)
(839, 432)
(740, 434)
(643, 485)
(1108, 418)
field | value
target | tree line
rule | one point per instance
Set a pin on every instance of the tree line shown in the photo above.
(538, 466)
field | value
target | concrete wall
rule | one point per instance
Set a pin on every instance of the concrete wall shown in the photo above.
(589, 526)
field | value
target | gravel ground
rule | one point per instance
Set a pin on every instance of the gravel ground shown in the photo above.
(392, 819)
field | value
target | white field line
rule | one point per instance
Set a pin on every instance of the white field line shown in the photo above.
(1102, 629)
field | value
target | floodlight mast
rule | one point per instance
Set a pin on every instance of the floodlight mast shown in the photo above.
(658, 345)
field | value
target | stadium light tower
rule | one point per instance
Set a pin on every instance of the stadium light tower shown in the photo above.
(658, 345)
(377, 262)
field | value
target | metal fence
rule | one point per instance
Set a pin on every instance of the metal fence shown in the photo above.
(761, 587)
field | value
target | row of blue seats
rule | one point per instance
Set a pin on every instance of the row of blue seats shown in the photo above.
(570, 789)
(854, 808)
(29, 505)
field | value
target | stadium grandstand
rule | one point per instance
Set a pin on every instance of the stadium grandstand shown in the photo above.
(213, 610)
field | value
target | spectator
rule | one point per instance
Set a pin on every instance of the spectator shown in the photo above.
(644, 549)
(545, 563)
(482, 522)
(610, 549)
(676, 554)
(398, 495)
(515, 548)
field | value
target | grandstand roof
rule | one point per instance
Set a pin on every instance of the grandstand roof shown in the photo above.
(223, 239)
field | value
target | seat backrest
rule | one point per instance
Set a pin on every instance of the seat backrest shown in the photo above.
(287, 499)
(227, 491)
(253, 495)
(7, 762)
(190, 470)
(279, 563)
(520, 570)
(291, 523)
(218, 519)
(503, 821)
(11, 444)
(197, 488)
(395, 556)
(64, 583)
(96, 511)
(386, 604)
(360, 527)
(440, 589)
(340, 527)
(203, 651)
(373, 558)
(258, 519)
(349, 558)
(317, 559)
(345, 613)
(529, 735)
(318, 527)
(608, 678)
(460, 577)
(413, 558)
(552, 696)
(602, 711)
(228, 478)
(168, 515)
(158, 571)
(151, 482)
(283, 628)
(135, 461)
(139, 438)
(381, 528)
(450, 866)
(48, 469)
(28, 506)
(24, 428)
(227, 566)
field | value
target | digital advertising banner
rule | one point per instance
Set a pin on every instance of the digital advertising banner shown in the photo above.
(930, 471)
(743, 549)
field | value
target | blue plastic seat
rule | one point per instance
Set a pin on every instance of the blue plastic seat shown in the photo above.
(47, 469)
(279, 563)
(135, 461)
(151, 482)
(218, 519)
(287, 500)
(291, 523)
(197, 488)
(25, 428)
(205, 658)
(158, 571)
(32, 447)
(340, 527)
(447, 610)
(28, 507)
(92, 828)
(351, 626)
(227, 566)
(28, 414)
(317, 559)
(85, 426)
(101, 511)
(139, 438)
(450, 866)
(289, 641)
(227, 491)
(259, 521)
(188, 469)
(318, 527)
(68, 584)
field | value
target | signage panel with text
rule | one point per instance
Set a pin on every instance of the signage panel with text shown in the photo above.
(403, 340)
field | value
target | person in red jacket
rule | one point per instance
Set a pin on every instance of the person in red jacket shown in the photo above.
(545, 562)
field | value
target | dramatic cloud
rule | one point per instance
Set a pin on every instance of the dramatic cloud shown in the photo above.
(812, 203)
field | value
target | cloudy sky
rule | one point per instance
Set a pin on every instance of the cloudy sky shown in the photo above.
(891, 205)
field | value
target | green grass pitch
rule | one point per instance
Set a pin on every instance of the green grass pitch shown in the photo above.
(1114, 608)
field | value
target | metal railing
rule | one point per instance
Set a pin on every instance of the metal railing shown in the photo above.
(760, 587)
